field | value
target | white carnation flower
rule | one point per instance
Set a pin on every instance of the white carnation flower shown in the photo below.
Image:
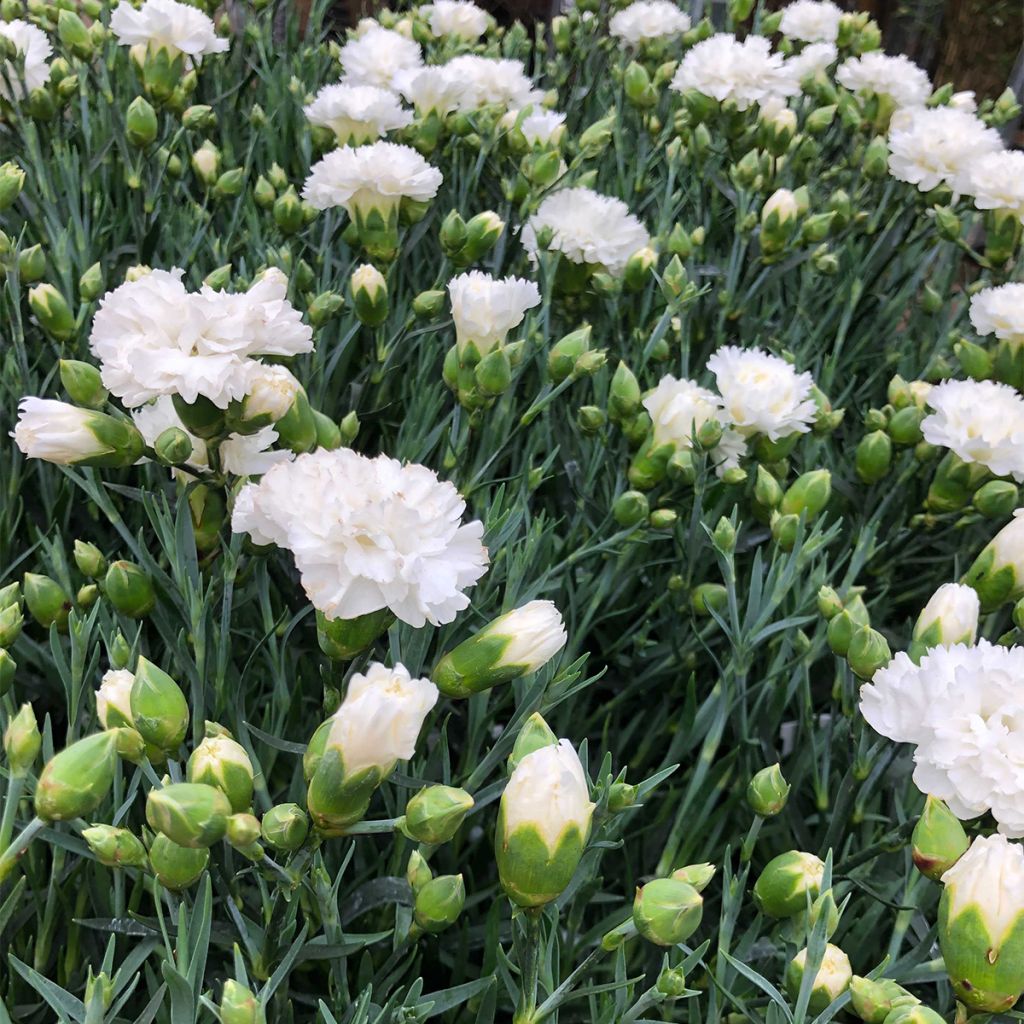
(539, 127)
(180, 27)
(725, 68)
(728, 452)
(965, 101)
(763, 394)
(485, 309)
(368, 534)
(34, 49)
(431, 90)
(898, 78)
(937, 146)
(645, 20)
(811, 60)
(485, 81)
(587, 228)
(811, 21)
(1000, 311)
(58, 432)
(376, 55)
(980, 421)
(679, 408)
(371, 177)
(460, 19)
(996, 180)
(357, 113)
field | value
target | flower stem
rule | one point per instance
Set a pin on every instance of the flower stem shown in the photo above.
(9, 858)
(529, 970)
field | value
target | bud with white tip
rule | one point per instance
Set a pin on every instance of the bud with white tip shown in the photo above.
(369, 295)
(950, 617)
(68, 436)
(997, 574)
(831, 981)
(114, 699)
(222, 762)
(271, 393)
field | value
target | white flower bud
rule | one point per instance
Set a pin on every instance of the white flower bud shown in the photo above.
(272, 390)
(113, 699)
(64, 434)
(998, 572)
(950, 617)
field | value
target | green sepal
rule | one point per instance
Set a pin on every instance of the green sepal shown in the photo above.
(531, 874)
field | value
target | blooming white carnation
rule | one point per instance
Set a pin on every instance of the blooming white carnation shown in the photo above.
(485, 309)
(113, 698)
(460, 19)
(357, 113)
(763, 394)
(380, 718)
(996, 180)
(179, 27)
(898, 78)
(587, 228)
(938, 145)
(484, 81)
(981, 421)
(1000, 311)
(811, 60)
(152, 337)
(727, 453)
(726, 68)
(376, 55)
(964, 100)
(34, 49)
(539, 127)
(430, 90)
(645, 20)
(367, 534)
(811, 21)
(377, 176)
(963, 708)
(679, 408)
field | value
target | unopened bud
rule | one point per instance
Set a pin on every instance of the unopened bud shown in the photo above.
(667, 911)
(439, 903)
(129, 589)
(768, 792)
(22, 741)
(115, 847)
(74, 782)
(176, 867)
(189, 814)
(435, 813)
(285, 827)
(938, 841)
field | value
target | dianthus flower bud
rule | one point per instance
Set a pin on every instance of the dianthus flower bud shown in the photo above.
(141, 125)
(417, 871)
(831, 981)
(623, 395)
(75, 781)
(176, 867)
(808, 494)
(429, 304)
(996, 499)
(115, 847)
(45, 600)
(667, 911)
(242, 832)
(868, 652)
(914, 1013)
(788, 883)
(873, 1001)
(938, 841)
(288, 211)
(343, 639)
(639, 267)
(369, 295)
(159, 709)
(439, 903)
(22, 741)
(534, 734)
(129, 589)
(997, 574)
(285, 827)
(173, 447)
(239, 1006)
(482, 234)
(52, 311)
(189, 814)
(778, 220)
(435, 813)
(768, 792)
(12, 180)
(89, 559)
(222, 762)
(566, 351)
(11, 622)
(513, 645)
(950, 617)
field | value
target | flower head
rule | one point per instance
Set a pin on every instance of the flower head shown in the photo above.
(367, 534)
(485, 309)
(357, 113)
(897, 78)
(810, 60)
(460, 19)
(539, 127)
(34, 49)
(180, 27)
(996, 180)
(587, 227)
(645, 20)
(485, 81)
(999, 311)
(431, 90)
(981, 421)
(726, 68)
(811, 21)
(679, 408)
(762, 393)
(376, 55)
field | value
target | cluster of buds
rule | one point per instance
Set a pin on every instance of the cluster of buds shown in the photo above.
(849, 633)
(437, 900)
(466, 242)
(12, 619)
(220, 183)
(804, 500)
(785, 221)
(896, 425)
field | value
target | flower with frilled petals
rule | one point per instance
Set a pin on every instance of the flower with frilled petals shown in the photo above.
(763, 394)
(981, 421)
(431, 90)
(34, 50)
(486, 81)
(679, 408)
(587, 228)
(69, 436)
(999, 311)
(113, 699)
(897, 78)
(458, 19)
(645, 20)
(538, 127)
(543, 825)
(376, 55)
(996, 181)
(367, 534)
(357, 113)
(936, 146)
(981, 924)
(485, 309)
(811, 60)
(181, 28)
(811, 21)
(726, 68)
(950, 617)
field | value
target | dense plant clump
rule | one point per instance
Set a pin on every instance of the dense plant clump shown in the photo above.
(463, 493)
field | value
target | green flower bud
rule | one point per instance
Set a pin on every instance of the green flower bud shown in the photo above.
(875, 164)
(785, 530)
(697, 875)
(288, 211)
(173, 447)
(129, 589)
(82, 382)
(176, 867)
(566, 351)
(74, 782)
(239, 1006)
(868, 652)
(429, 305)
(638, 268)
(115, 847)
(141, 127)
(12, 180)
(997, 499)
(534, 734)
(285, 827)
(222, 762)
(453, 234)
(46, 601)
(997, 574)
(515, 644)
(369, 293)
(939, 840)
(872, 1001)
(977, 363)
(31, 263)
(52, 311)
(621, 795)
(829, 603)
(631, 508)
(328, 433)
(482, 234)
(189, 814)
(840, 633)
(724, 535)
(915, 1013)
(788, 884)
(808, 494)
(708, 597)
(767, 491)
(624, 395)
(417, 871)
(667, 911)
(324, 307)
(493, 373)
(219, 278)
(22, 741)
(768, 792)
(905, 427)
(242, 832)
(344, 639)
(159, 709)
(8, 668)
(11, 621)
(89, 559)
(297, 428)
(199, 117)
(663, 518)
(831, 981)
(435, 813)
(590, 419)
(439, 903)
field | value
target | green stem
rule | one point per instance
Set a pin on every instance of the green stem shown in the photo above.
(14, 788)
(9, 858)
(529, 971)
